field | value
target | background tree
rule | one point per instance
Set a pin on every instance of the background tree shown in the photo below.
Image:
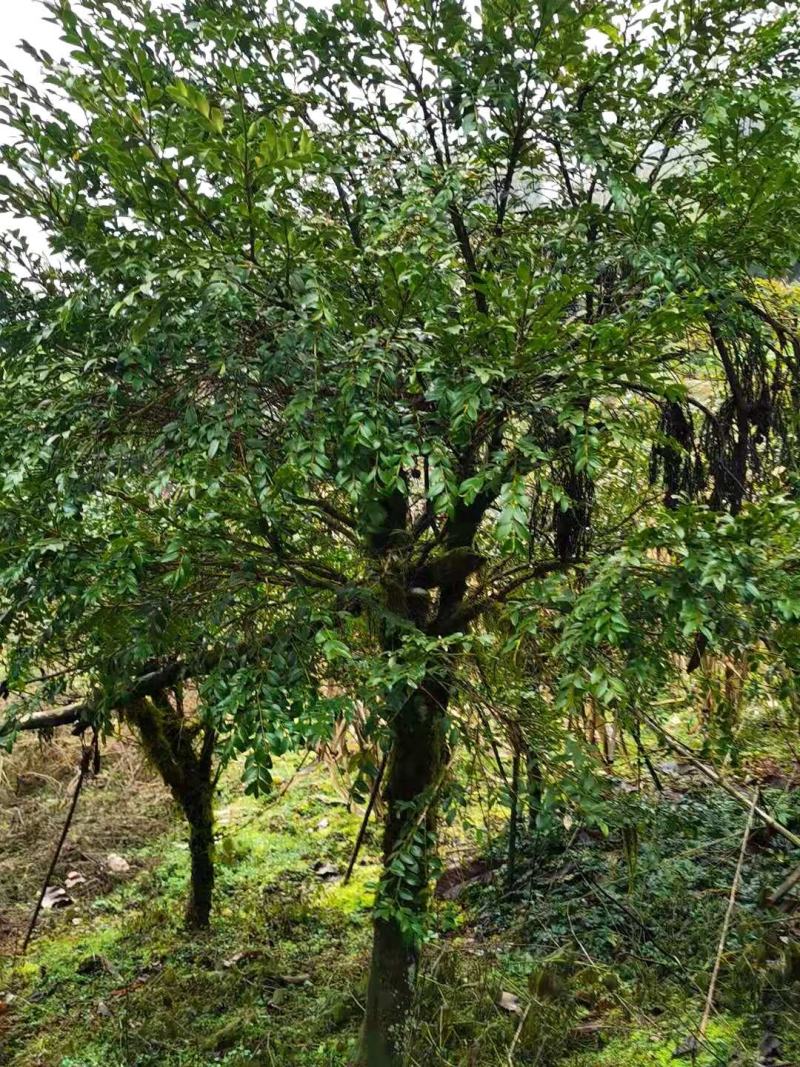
(126, 635)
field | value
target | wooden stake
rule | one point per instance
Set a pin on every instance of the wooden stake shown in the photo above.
(727, 920)
(363, 828)
(86, 757)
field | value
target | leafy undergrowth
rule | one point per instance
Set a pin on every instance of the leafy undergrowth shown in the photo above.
(610, 937)
(599, 956)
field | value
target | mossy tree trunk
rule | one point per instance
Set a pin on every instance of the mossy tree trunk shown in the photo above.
(199, 810)
(418, 755)
(183, 754)
(415, 771)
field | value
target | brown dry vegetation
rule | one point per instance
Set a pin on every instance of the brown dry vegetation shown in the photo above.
(129, 808)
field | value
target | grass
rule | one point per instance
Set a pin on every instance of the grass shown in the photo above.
(608, 962)
(128, 985)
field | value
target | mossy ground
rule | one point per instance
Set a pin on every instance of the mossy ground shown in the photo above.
(608, 962)
(276, 980)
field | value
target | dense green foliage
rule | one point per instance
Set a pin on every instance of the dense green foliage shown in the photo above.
(393, 354)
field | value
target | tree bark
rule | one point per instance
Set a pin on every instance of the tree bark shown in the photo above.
(200, 816)
(415, 769)
(417, 763)
(168, 742)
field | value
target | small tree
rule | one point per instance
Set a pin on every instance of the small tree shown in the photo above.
(200, 670)
(359, 294)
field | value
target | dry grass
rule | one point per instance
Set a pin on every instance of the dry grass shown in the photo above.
(121, 810)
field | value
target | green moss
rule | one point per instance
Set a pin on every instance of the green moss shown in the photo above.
(649, 1048)
(279, 980)
(353, 899)
(141, 991)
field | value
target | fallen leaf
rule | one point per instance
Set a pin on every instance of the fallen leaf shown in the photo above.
(239, 957)
(117, 864)
(323, 824)
(325, 870)
(510, 1003)
(74, 878)
(56, 897)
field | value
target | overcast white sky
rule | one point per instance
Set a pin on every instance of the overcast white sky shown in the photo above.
(25, 18)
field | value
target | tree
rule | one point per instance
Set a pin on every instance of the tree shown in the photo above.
(108, 613)
(362, 306)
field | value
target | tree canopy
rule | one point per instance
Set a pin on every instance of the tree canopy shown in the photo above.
(367, 334)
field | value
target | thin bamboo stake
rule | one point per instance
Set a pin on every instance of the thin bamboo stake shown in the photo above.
(517, 1034)
(86, 756)
(363, 828)
(727, 920)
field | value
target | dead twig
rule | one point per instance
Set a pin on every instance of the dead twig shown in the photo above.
(786, 886)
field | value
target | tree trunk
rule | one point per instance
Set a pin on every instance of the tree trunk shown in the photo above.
(200, 816)
(417, 763)
(168, 742)
(415, 769)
